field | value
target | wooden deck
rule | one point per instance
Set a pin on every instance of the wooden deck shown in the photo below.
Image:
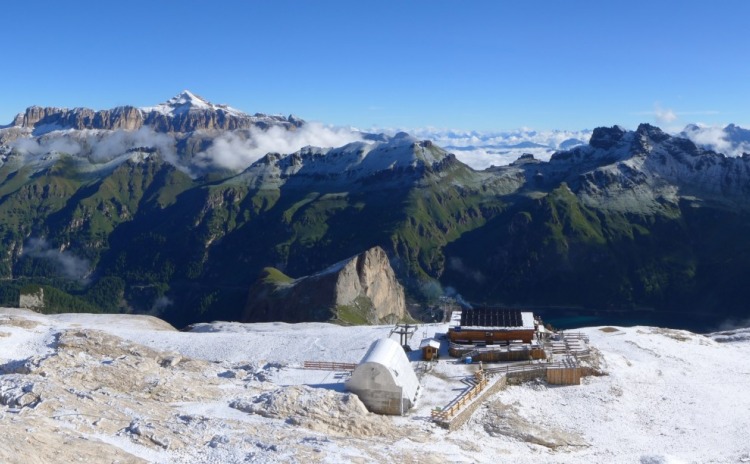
(458, 411)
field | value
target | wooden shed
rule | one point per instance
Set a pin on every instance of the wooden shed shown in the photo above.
(430, 348)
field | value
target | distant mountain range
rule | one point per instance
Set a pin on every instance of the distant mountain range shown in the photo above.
(179, 209)
(183, 129)
(185, 112)
(481, 150)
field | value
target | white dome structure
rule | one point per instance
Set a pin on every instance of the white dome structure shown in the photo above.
(384, 379)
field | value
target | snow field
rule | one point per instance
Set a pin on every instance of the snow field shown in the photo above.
(667, 396)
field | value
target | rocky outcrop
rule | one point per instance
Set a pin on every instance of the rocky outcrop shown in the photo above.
(361, 289)
(606, 137)
(32, 300)
(370, 275)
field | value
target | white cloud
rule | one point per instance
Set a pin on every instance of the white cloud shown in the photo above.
(462, 138)
(230, 150)
(106, 146)
(100, 146)
(457, 264)
(235, 151)
(46, 144)
(664, 115)
(482, 158)
(480, 149)
(715, 138)
(68, 264)
(160, 304)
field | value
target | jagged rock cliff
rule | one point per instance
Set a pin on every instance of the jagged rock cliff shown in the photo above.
(361, 289)
(185, 112)
(124, 117)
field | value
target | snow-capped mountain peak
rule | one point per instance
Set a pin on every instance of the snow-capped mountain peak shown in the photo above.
(187, 97)
(185, 102)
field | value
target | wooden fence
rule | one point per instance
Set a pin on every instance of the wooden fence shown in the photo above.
(528, 368)
(566, 372)
(444, 415)
(560, 373)
(495, 385)
(329, 366)
(564, 376)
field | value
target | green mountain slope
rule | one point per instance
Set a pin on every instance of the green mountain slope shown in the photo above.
(633, 220)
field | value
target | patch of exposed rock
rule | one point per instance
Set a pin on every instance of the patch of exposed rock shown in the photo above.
(24, 441)
(320, 410)
(363, 287)
(16, 321)
(504, 420)
(95, 397)
(99, 384)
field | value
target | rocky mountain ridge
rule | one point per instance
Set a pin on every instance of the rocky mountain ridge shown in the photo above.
(639, 171)
(399, 158)
(186, 112)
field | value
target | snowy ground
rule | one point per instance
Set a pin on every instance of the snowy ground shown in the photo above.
(103, 388)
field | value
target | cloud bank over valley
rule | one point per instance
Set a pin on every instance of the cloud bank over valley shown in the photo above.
(200, 151)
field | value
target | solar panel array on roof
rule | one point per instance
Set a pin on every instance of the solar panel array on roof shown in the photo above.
(491, 317)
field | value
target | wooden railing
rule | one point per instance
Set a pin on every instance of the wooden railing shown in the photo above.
(479, 383)
(576, 335)
(539, 368)
(458, 410)
(329, 366)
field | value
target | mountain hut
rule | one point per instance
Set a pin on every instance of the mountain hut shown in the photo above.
(491, 326)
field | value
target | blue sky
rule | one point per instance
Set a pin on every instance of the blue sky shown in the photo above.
(484, 65)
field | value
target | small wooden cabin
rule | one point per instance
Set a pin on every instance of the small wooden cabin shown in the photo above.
(491, 326)
(430, 348)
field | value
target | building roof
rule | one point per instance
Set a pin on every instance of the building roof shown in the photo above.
(431, 342)
(496, 319)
